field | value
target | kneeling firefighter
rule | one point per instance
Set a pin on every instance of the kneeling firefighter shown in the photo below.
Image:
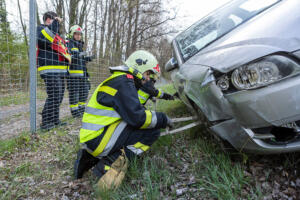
(78, 80)
(115, 121)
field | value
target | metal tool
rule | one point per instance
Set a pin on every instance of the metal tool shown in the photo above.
(183, 128)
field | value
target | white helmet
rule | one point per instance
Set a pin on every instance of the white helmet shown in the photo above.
(143, 61)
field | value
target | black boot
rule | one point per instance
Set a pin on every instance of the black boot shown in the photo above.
(84, 162)
(60, 123)
(100, 169)
(47, 126)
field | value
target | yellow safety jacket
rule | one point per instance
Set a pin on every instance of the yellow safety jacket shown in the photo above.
(97, 116)
(144, 96)
(99, 119)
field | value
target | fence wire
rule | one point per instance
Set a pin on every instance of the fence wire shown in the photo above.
(54, 96)
(14, 74)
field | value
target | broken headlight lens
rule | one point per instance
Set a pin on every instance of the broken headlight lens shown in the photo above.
(263, 72)
(223, 83)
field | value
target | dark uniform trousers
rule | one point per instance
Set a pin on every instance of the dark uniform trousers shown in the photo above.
(129, 137)
(55, 88)
(78, 88)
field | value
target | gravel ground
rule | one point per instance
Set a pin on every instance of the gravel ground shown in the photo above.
(15, 119)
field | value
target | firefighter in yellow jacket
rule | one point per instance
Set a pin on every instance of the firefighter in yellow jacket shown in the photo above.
(114, 118)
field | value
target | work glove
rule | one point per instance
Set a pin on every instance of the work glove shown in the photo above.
(153, 99)
(170, 122)
(167, 96)
(149, 88)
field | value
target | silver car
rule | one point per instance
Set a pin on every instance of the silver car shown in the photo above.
(239, 67)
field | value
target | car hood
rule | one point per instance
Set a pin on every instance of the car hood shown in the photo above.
(225, 58)
(264, 34)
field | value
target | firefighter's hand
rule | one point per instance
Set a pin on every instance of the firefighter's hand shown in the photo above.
(58, 19)
(170, 122)
(148, 87)
(167, 96)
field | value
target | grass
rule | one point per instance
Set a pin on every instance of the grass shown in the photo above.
(9, 146)
(20, 97)
(189, 165)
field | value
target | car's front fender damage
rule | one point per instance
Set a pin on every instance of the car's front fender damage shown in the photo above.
(247, 141)
(201, 88)
(235, 116)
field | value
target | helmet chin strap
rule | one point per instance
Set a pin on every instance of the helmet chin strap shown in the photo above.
(130, 70)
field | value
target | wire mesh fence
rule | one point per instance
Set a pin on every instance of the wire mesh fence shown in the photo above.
(57, 94)
(37, 64)
(14, 74)
(73, 91)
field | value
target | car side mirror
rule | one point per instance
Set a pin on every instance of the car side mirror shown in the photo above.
(171, 64)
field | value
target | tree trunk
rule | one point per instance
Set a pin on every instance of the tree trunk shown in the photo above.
(103, 29)
(94, 49)
(117, 36)
(135, 32)
(83, 12)
(23, 27)
(60, 12)
(38, 21)
(73, 12)
(110, 24)
(129, 30)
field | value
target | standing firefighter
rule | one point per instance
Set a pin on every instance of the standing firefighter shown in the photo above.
(78, 81)
(115, 120)
(52, 62)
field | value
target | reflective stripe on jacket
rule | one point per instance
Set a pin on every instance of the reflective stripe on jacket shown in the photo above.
(112, 107)
(52, 69)
(97, 116)
(144, 96)
(78, 65)
(48, 59)
(58, 44)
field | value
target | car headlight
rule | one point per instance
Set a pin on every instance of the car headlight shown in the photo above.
(223, 83)
(255, 75)
(263, 72)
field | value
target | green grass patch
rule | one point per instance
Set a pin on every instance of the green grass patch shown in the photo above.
(188, 165)
(20, 97)
(190, 161)
(11, 145)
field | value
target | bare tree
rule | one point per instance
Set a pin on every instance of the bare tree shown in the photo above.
(37, 15)
(60, 10)
(104, 9)
(73, 12)
(23, 26)
(94, 48)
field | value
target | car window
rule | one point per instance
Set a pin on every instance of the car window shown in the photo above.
(217, 24)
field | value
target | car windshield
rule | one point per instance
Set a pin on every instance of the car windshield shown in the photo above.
(217, 24)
